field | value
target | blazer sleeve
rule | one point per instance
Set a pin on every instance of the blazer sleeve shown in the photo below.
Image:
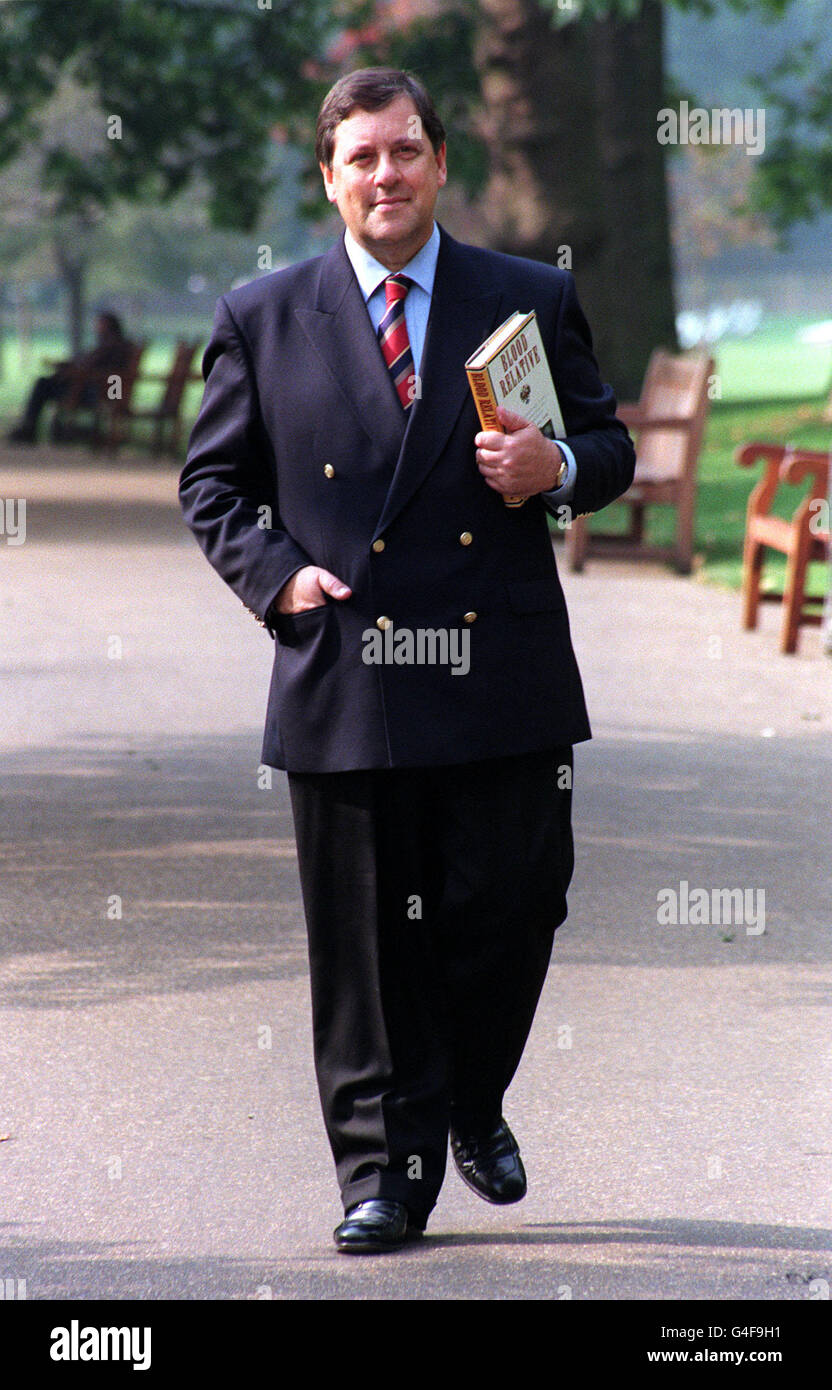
(227, 488)
(600, 442)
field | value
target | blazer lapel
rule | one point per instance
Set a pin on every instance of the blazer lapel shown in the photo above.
(340, 331)
(463, 312)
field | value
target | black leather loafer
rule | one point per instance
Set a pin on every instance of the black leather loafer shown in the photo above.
(374, 1226)
(491, 1165)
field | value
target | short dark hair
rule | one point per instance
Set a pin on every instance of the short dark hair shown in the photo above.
(369, 89)
(112, 321)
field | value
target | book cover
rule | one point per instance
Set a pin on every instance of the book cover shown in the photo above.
(511, 368)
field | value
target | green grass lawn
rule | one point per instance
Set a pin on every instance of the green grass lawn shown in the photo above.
(724, 488)
(774, 363)
(773, 388)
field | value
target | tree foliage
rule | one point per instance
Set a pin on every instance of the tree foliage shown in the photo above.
(795, 182)
(184, 88)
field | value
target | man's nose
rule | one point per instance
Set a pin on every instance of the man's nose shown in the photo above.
(386, 169)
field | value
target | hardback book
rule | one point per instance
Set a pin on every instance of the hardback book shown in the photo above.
(511, 368)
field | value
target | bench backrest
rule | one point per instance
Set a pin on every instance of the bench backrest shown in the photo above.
(675, 387)
(178, 376)
(132, 364)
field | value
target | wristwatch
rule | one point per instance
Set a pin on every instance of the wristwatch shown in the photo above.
(562, 472)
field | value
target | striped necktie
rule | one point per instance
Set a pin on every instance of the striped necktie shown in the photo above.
(392, 335)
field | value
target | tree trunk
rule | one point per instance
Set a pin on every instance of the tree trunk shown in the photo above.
(629, 64)
(73, 273)
(570, 124)
(543, 198)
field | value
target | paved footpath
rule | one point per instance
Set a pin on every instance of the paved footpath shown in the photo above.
(160, 1123)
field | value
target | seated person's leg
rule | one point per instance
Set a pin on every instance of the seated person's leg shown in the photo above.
(46, 388)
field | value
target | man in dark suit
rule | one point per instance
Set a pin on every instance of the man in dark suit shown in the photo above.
(425, 696)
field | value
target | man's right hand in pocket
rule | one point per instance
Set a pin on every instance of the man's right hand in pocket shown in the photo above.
(308, 588)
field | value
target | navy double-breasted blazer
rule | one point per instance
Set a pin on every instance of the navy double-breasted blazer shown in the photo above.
(301, 454)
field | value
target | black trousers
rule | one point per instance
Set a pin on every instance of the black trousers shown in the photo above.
(432, 896)
(51, 388)
(45, 389)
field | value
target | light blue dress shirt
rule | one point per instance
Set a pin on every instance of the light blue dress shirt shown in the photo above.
(421, 269)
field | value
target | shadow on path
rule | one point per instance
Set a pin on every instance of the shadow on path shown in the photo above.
(162, 865)
(440, 1266)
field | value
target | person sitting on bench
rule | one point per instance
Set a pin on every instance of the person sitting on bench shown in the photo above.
(107, 358)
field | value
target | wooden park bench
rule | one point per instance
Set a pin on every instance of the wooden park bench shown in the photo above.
(102, 421)
(166, 415)
(802, 538)
(668, 422)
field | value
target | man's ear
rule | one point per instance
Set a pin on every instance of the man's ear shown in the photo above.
(441, 162)
(329, 181)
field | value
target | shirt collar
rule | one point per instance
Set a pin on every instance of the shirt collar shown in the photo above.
(370, 273)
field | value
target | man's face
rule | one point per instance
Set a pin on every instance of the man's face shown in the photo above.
(384, 180)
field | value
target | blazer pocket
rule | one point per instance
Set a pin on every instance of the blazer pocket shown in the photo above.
(292, 628)
(535, 595)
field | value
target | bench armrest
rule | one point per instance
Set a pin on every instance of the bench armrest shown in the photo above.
(805, 463)
(661, 422)
(629, 412)
(747, 454)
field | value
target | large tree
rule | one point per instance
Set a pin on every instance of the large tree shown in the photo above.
(577, 174)
(544, 197)
(175, 90)
(567, 100)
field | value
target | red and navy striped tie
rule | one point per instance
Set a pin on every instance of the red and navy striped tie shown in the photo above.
(392, 335)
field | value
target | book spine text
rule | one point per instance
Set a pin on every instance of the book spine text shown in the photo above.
(486, 403)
